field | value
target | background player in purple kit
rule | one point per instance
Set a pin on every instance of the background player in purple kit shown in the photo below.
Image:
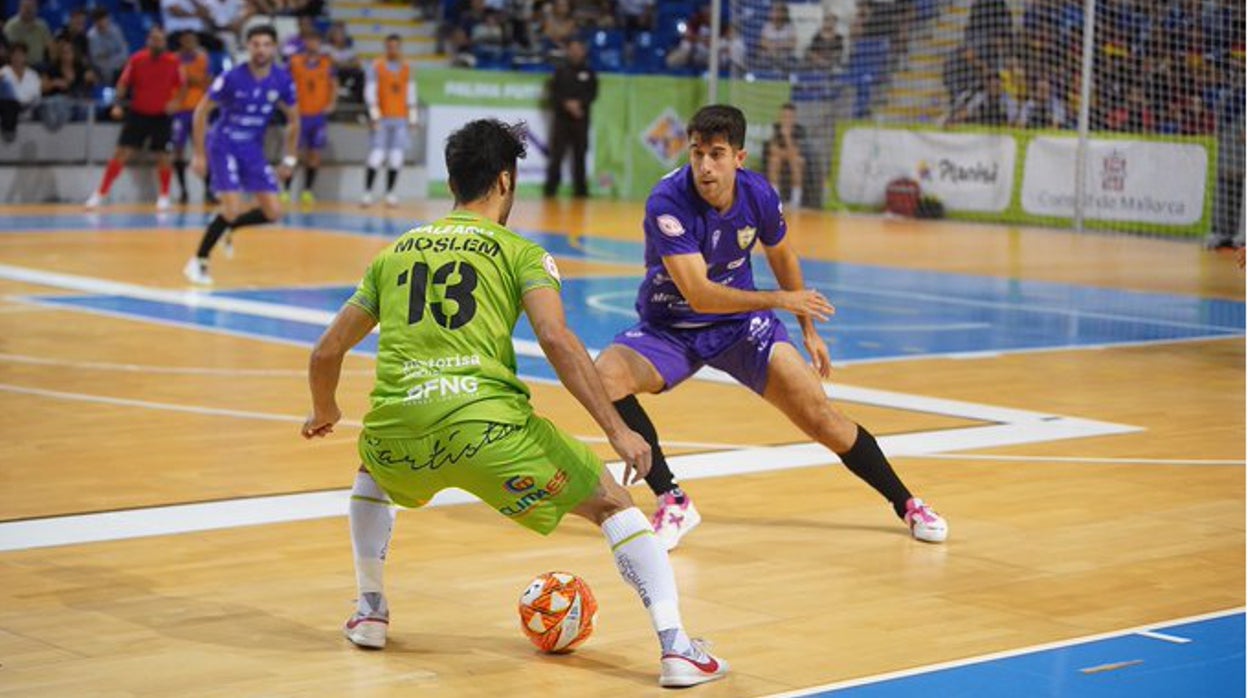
(699, 306)
(196, 74)
(247, 95)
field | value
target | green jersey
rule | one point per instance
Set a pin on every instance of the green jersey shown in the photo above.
(447, 296)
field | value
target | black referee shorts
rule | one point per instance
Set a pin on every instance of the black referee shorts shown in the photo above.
(154, 130)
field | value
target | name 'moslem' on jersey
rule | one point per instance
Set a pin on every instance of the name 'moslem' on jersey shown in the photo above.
(679, 221)
(447, 296)
(246, 103)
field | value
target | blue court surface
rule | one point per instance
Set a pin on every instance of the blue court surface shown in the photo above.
(1188, 660)
(883, 313)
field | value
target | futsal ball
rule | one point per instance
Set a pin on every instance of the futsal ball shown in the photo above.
(557, 612)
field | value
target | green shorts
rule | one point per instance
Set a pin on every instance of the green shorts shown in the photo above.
(532, 474)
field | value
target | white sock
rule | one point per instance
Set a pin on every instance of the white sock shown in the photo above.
(644, 564)
(372, 521)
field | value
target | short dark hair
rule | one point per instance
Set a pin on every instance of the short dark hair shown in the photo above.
(719, 120)
(394, 37)
(266, 29)
(788, 106)
(478, 153)
(19, 46)
(98, 13)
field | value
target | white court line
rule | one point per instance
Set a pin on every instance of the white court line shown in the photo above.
(1164, 637)
(1076, 459)
(163, 370)
(980, 659)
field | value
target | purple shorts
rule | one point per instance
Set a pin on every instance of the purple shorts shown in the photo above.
(740, 348)
(239, 167)
(313, 132)
(182, 122)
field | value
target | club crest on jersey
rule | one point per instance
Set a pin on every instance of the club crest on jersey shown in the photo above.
(670, 226)
(272, 95)
(745, 236)
(715, 239)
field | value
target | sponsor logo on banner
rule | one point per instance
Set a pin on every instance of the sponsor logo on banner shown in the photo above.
(1153, 182)
(966, 171)
(665, 137)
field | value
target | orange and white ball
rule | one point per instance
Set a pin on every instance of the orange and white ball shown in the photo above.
(557, 612)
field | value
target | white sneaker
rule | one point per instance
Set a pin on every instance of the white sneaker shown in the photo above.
(392, 200)
(683, 669)
(366, 200)
(94, 200)
(196, 271)
(227, 244)
(672, 520)
(925, 524)
(368, 630)
(162, 203)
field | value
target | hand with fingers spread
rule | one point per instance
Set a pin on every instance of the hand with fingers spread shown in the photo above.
(321, 422)
(635, 453)
(808, 302)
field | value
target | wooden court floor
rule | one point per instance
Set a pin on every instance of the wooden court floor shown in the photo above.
(799, 575)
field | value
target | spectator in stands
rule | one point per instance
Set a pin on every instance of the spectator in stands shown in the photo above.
(1195, 119)
(226, 19)
(573, 89)
(29, 29)
(784, 148)
(827, 48)
(346, 63)
(20, 89)
(593, 14)
(295, 44)
(1133, 116)
(178, 16)
(559, 26)
(989, 29)
(1043, 108)
(962, 75)
(490, 36)
(633, 16)
(108, 48)
(457, 33)
(62, 84)
(75, 32)
(778, 39)
(731, 49)
(988, 106)
(694, 49)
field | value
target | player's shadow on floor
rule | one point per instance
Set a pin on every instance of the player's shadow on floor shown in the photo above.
(599, 662)
(709, 520)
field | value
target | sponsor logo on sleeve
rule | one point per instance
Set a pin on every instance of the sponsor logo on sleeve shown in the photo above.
(670, 226)
(551, 268)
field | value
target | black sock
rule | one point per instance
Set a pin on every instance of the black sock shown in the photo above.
(370, 176)
(212, 234)
(660, 478)
(289, 181)
(867, 461)
(309, 178)
(392, 176)
(179, 168)
(253, 217)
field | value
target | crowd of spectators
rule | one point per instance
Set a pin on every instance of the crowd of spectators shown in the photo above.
(59, 73)
(1170, 68)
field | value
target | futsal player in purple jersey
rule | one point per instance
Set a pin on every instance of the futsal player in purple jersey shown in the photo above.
(233, 148)
(699, 307)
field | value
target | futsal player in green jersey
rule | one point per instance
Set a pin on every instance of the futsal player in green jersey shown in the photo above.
(449, 411)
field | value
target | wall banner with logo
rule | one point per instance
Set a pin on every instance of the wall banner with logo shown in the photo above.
(1145, 183)
(968, 172)
(637, 123)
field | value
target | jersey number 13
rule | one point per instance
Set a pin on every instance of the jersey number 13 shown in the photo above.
(460, 291)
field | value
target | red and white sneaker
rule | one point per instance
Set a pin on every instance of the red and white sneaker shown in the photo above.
(673, 520)
(368, 630)
(692, 667)
(925, 524)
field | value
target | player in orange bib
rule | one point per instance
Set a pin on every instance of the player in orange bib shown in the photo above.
(196, 75)
(390, 92)
(316, 85)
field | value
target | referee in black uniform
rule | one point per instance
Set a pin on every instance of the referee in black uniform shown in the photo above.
(573, 87)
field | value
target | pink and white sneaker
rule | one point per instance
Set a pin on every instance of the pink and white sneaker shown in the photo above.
(368, 628)
(692, 667)
(673, 520)
(925, 524)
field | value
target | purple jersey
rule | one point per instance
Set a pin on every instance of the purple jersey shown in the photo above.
(679, 221)
(246, 104)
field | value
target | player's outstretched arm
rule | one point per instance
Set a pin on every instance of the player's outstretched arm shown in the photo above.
(350, 326)
(688, 271)
(787, 268)
(576, 371)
